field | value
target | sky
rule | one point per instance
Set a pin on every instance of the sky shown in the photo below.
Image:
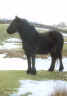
(41, 11)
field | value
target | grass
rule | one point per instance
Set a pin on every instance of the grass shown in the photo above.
(65, 39)
(9, 80)
(60, 93)
(3, 33)
(65, 50)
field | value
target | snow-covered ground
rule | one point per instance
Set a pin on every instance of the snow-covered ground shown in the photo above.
(21, 64)
(40, 88)
(64, 34)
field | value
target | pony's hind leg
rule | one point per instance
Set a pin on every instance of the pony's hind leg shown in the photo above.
(61, 64)
(29, 64)
(52, 64)
(33, 70)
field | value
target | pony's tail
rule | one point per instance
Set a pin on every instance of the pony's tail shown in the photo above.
(60, 43)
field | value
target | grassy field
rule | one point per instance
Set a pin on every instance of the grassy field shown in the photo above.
(3, 33)
(9, 80)
(65, 39)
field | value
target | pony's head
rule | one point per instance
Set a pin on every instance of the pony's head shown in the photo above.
(13, 27)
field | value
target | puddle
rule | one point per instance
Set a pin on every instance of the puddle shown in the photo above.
(40, 88)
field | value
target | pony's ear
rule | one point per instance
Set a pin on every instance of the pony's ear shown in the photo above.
(16, 17)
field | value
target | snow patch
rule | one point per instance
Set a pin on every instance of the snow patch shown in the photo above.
(40, 88)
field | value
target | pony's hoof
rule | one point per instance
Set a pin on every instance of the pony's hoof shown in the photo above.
(28, 71)
(61, 69)
(33, 72)
(51, 70)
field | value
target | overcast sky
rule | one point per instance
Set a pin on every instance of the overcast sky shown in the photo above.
(42, 11)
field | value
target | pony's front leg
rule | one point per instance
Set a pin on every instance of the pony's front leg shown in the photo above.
(33, 70)
(29, 64)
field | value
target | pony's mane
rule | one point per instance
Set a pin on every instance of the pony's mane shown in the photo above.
(28, 30)
(27, 24)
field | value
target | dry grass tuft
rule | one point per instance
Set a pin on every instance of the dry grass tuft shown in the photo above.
(19, 53)
(60, 93)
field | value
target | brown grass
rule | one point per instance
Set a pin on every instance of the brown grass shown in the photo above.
(19, 53)
(60, 93)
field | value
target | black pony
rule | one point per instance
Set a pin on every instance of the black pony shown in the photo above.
(35, 43)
